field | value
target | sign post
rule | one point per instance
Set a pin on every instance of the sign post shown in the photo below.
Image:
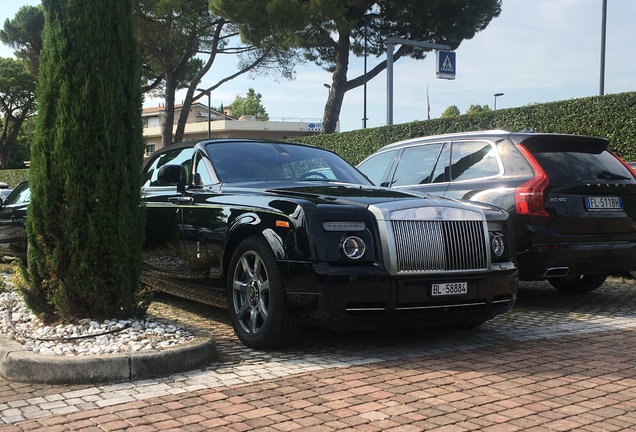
(390, 42)
(446, 64)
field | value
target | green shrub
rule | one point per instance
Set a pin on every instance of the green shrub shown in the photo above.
(85, 225)
(13, 177)
(610, 116)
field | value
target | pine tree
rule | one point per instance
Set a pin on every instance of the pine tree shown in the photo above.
(85, 224)
(250, 105)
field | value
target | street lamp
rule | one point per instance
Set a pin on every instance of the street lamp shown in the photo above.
(601, 90)
(364, 111)
(366, 19)
(209, 93)
(496, 96)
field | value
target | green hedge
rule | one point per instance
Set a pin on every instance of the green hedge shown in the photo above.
(14, 176)
(610, 116)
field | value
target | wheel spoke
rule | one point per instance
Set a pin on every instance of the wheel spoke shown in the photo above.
(263, 307)
(263, 301)
(247, 267)
(263, 286)
(259, 269)
(243, 311)
(239, 286)
(254, 320)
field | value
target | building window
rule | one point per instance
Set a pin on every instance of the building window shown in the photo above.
(150, 149)
(154, 121)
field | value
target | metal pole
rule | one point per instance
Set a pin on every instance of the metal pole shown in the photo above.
(603, 31)
(389, 84)
(496, 96)
(209, 115)
(209, 93)
(389, 68)
(364, 111)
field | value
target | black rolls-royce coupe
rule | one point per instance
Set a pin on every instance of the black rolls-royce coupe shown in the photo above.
(286, 234)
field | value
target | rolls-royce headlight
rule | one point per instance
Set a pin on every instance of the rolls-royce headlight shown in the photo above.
(497, 244)
(353, 247)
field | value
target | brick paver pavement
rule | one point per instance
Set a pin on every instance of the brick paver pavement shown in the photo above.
(555, 363)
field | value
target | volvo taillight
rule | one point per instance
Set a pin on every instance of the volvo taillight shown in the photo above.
(626, 165)
(530, 196)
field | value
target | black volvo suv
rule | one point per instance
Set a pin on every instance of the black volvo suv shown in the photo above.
(572, 201)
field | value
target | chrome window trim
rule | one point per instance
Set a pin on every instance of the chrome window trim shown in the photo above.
(492, 144)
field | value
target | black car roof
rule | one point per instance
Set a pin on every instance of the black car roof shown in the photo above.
(193, 143)
(182, 145)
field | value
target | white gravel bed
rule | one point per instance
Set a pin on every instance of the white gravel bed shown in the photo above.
(87, 337)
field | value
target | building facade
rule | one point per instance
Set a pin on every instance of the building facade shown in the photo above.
(223, 125)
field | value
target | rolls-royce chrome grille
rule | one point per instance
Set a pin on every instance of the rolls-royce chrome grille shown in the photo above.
(432, 246)
(433, 238)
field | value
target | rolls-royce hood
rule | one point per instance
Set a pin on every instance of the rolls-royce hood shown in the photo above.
(360, 195)
(363, 195)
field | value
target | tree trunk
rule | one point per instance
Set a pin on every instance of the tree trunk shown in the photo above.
(168, 121)
(338, 86)
(10, 140)
(187, 103)
(4, 140)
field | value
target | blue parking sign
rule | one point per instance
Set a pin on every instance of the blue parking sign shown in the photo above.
(446, 64)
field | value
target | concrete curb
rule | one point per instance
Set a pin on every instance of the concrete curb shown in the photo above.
(19, 364)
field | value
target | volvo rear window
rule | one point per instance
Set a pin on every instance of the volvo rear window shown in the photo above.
(570, 162)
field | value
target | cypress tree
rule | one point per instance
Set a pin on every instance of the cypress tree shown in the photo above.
(85, 224)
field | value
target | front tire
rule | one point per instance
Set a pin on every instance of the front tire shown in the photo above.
(578, 284)
(256, 297)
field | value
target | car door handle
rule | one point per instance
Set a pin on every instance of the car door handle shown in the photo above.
(181, 200)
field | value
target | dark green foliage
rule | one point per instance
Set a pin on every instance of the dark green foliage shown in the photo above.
(85, 222)
(476, 109)
(20, 150)
(23, 34)
(17, 104)
(610, 116)
(249, 105)
(327, 31)
(14, 176)
(451, 112)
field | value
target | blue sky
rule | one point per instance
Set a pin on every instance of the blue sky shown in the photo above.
(535, 51)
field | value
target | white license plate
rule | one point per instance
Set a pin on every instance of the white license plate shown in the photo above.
(452, 288)
(603, 203)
